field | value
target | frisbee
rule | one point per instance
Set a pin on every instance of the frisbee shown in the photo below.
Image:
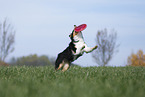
(80, 27)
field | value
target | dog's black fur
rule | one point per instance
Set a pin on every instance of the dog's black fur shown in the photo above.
(67, 56)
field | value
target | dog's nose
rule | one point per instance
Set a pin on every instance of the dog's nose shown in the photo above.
(75, 26)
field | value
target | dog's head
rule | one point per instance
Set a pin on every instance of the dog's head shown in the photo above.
(75, 35)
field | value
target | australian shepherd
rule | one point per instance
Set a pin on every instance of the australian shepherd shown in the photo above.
(76, 48)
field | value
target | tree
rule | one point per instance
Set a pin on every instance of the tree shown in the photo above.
(106, 47)
(137, 59)
(7, 39)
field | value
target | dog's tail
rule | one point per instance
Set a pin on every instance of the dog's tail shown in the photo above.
(58, 61)
(56, 65)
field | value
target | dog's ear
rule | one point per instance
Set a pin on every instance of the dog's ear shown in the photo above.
(70, 35)
(72, 31)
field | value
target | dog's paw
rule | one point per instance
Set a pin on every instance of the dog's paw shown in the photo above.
(96, 47)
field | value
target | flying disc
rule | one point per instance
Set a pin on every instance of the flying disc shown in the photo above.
(80, 27)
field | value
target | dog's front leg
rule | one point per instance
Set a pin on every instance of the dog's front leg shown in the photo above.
(66, 66)
(89, 49)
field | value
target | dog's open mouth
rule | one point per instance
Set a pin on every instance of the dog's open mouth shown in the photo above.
(76, 32)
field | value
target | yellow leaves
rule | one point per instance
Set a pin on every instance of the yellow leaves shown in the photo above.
(137, 59)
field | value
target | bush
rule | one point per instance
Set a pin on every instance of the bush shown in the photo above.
(31, 60)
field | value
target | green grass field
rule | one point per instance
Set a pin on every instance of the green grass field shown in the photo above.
(76, 82)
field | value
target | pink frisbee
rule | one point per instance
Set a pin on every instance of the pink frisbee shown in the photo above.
(80, 27)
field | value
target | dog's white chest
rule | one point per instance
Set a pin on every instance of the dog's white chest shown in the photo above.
(79, 48)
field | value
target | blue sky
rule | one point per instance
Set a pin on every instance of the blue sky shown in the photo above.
(42, 26)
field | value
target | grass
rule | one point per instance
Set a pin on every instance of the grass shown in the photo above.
(76, 82)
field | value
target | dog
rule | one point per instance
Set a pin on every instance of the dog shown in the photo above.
(76, 48)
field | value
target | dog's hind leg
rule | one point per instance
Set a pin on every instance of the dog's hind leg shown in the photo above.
(60, 66)
(66, 66)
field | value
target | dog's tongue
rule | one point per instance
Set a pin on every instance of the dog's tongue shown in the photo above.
(80, 27)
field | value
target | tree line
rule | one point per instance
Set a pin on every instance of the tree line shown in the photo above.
(32, 60)
(107, 47)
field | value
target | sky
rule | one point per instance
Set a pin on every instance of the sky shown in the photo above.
(43, 26)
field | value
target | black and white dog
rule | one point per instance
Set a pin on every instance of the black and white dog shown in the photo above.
(75, 49)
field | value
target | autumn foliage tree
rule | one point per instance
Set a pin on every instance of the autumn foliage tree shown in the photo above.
(137, 59)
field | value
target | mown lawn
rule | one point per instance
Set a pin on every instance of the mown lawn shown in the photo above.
(76, 82)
